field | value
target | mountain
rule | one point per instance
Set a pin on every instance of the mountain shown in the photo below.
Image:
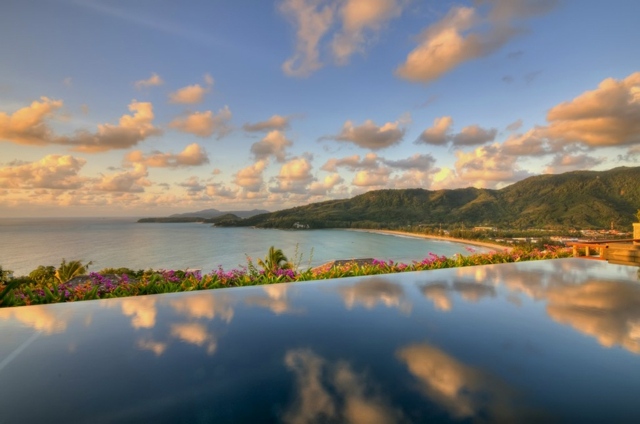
(206, 215)
(213, 213)
(580, 199)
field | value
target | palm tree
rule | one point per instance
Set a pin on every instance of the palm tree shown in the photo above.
(274, 261)
(67, 270)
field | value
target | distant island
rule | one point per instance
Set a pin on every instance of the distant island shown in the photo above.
(209, 216)
(580, 199)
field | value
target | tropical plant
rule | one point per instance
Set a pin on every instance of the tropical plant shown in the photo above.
(43, 275)
(638, 215)
(274, 261)
(67, 270)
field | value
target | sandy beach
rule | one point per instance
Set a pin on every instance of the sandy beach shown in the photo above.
(443, 238)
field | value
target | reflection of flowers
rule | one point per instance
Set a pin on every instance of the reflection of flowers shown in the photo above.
(464, 391)
(373, 291)
(333, 392)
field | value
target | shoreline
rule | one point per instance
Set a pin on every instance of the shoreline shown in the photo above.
(441, 238)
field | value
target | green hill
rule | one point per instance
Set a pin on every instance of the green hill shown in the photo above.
(582, 199)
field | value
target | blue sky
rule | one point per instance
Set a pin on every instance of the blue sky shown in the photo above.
(144, 108)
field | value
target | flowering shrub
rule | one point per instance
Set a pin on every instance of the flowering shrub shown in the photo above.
(19, 292)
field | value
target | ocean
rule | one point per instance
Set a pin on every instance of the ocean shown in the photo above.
(26, 243)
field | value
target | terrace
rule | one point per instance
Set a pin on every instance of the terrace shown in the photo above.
(554, 340)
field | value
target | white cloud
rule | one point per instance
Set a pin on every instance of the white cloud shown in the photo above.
(371, 178)
(204, 124)
(294, 176)
(321, 188)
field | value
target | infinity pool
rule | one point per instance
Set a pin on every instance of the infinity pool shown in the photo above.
(543, 341)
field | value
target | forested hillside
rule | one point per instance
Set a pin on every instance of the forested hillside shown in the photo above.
(581, 199)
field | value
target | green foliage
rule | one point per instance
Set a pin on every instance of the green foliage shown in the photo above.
(17, 293)
(274, 261)
(43, 275)
(581, 199)
(67, 270)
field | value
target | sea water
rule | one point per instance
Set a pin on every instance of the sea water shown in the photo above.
(122, 242)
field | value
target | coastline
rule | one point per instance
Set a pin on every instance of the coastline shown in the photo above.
(498, 247)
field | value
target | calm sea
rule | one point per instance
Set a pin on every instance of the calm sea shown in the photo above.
(121, 242)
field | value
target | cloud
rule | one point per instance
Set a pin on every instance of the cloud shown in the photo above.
(204, 305)
(464, 34)
(220, 190)
(474, 135)
(375, 177)
(311, 22)
(142, 311)
(153, 81)
(606, 116)
(320, 188)
(52, 172)
(132, 181)
(195, 333)
(488, 166)
(274, 143)
(370, 136)
(294, 176)
(193, 185)
(375, 291)
(353, 163)
(515, 126)
(439, 134)
(416, 162)
(204, 124)
(131, 130)
(567, 162)
(250, 178)
(192, 155)
(192, 94)
(276, 122)
(463, 391)
(28, 124)
(333, 392)
(358, 18)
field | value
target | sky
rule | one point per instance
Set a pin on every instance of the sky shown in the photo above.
(146, 108)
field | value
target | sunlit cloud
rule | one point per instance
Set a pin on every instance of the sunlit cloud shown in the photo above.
(361, 19)
(467, 33)
(439, 134)
(311, 19)
(28, 125)
(131, 130)
(204, 124)
(192, 94)
(275, 123)
(192, 155)
(52, 172)
(205, 305)
(320, 188)
(250, 178)
(153, 81)
(376, 291)
(369, 135)
(372, 178)
(272, 144)
(568, 162)
(353, 163)
(294, 176)
(474, 135)
(40, 318)
(131, 181)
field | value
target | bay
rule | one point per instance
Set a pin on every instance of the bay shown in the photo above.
(26, 243)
